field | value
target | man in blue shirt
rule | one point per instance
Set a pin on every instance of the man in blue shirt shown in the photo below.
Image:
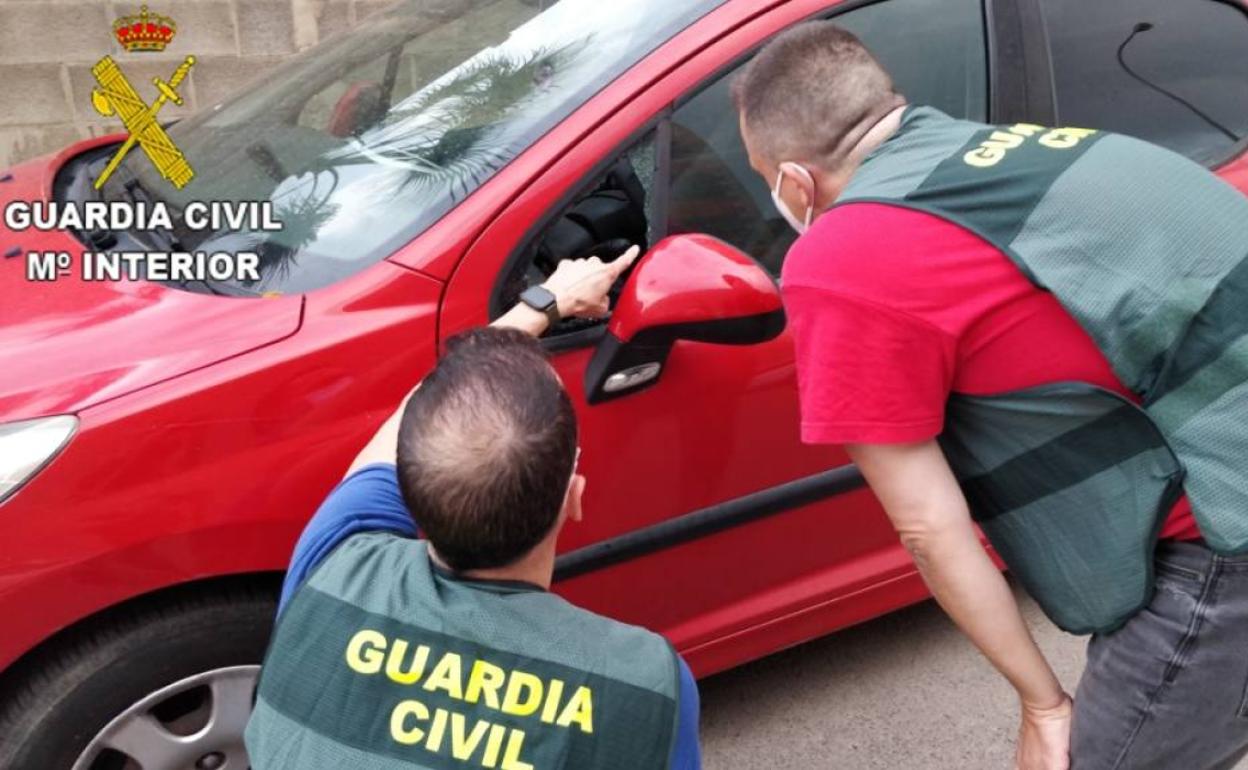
(486, 458)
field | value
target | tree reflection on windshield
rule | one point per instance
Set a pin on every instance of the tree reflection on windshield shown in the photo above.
(450, 136)
(363, 142)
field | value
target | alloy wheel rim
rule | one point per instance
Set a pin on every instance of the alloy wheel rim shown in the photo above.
(196, 723)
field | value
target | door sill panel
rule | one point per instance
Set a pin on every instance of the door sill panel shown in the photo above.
(804, 625)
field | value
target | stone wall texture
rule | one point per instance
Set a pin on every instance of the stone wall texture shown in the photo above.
(47, 49)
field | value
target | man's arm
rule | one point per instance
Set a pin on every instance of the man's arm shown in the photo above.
(922, 498)
(366, 501)
(580, 287)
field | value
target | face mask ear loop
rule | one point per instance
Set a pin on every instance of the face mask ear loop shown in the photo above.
(799, 225)
(810, 210)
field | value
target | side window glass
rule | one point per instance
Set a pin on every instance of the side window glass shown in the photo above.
(1174, 72)
(934, 49)
(936, 53)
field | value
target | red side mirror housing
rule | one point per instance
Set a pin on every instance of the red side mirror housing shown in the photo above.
(690, 287)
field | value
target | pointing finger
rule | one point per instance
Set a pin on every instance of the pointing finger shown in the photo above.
(623, 261)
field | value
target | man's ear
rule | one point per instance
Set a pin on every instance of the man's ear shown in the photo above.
(802, 180)
(572, 501)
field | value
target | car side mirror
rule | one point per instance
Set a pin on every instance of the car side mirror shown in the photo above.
(687, 287)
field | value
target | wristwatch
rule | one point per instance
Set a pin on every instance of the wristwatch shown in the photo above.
(542, 300)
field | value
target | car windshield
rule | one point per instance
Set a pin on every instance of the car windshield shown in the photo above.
(363, 142)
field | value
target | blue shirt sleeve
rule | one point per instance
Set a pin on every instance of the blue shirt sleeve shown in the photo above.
(687, 754)
(366, 501)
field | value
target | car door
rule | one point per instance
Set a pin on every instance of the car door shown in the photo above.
(706, 517)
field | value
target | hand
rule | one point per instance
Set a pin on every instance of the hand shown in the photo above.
(1044, 739)
(580, 286)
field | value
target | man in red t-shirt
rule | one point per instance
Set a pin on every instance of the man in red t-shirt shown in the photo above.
(893, 310)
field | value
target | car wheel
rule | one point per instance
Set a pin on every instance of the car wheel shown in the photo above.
(167, 686)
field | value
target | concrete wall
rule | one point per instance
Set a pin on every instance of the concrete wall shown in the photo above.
(47, 49)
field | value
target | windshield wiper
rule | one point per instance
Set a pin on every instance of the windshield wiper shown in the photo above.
(80, 190)
(156, 240)
(166, 240)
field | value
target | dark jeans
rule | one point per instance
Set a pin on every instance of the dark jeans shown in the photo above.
(1169, 690)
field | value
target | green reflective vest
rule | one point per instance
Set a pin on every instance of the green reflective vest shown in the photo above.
(382, 661)
(1148, 251)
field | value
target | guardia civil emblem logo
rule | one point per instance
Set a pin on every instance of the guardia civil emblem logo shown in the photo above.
(116, 96)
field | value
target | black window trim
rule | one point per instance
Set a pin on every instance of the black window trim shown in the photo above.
(1018, 55)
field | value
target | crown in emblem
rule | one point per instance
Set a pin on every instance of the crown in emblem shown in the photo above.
(144, 32)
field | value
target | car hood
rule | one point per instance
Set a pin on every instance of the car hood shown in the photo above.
(68, 344)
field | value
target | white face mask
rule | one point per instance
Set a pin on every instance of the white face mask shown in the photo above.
(800, 225)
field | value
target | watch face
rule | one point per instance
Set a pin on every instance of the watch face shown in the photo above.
(538, 298)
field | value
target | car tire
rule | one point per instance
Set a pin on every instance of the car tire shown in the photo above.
(169, 658)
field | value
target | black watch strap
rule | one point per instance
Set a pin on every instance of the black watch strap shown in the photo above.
(542, 300)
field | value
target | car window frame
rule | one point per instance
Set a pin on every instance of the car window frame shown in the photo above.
(1022, 86)
(660, 123)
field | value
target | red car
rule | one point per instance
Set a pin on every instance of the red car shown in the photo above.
(162, 444)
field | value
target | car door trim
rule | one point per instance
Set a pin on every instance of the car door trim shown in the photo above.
(709, 521)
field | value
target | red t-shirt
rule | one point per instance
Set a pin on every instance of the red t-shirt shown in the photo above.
(893, 309)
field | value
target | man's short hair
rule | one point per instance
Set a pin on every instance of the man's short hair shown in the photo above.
(811, 93)
(486, 449)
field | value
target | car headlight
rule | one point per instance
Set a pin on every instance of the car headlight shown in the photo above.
(27, 446)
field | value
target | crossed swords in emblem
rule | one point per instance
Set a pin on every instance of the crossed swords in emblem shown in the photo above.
(115, 96)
